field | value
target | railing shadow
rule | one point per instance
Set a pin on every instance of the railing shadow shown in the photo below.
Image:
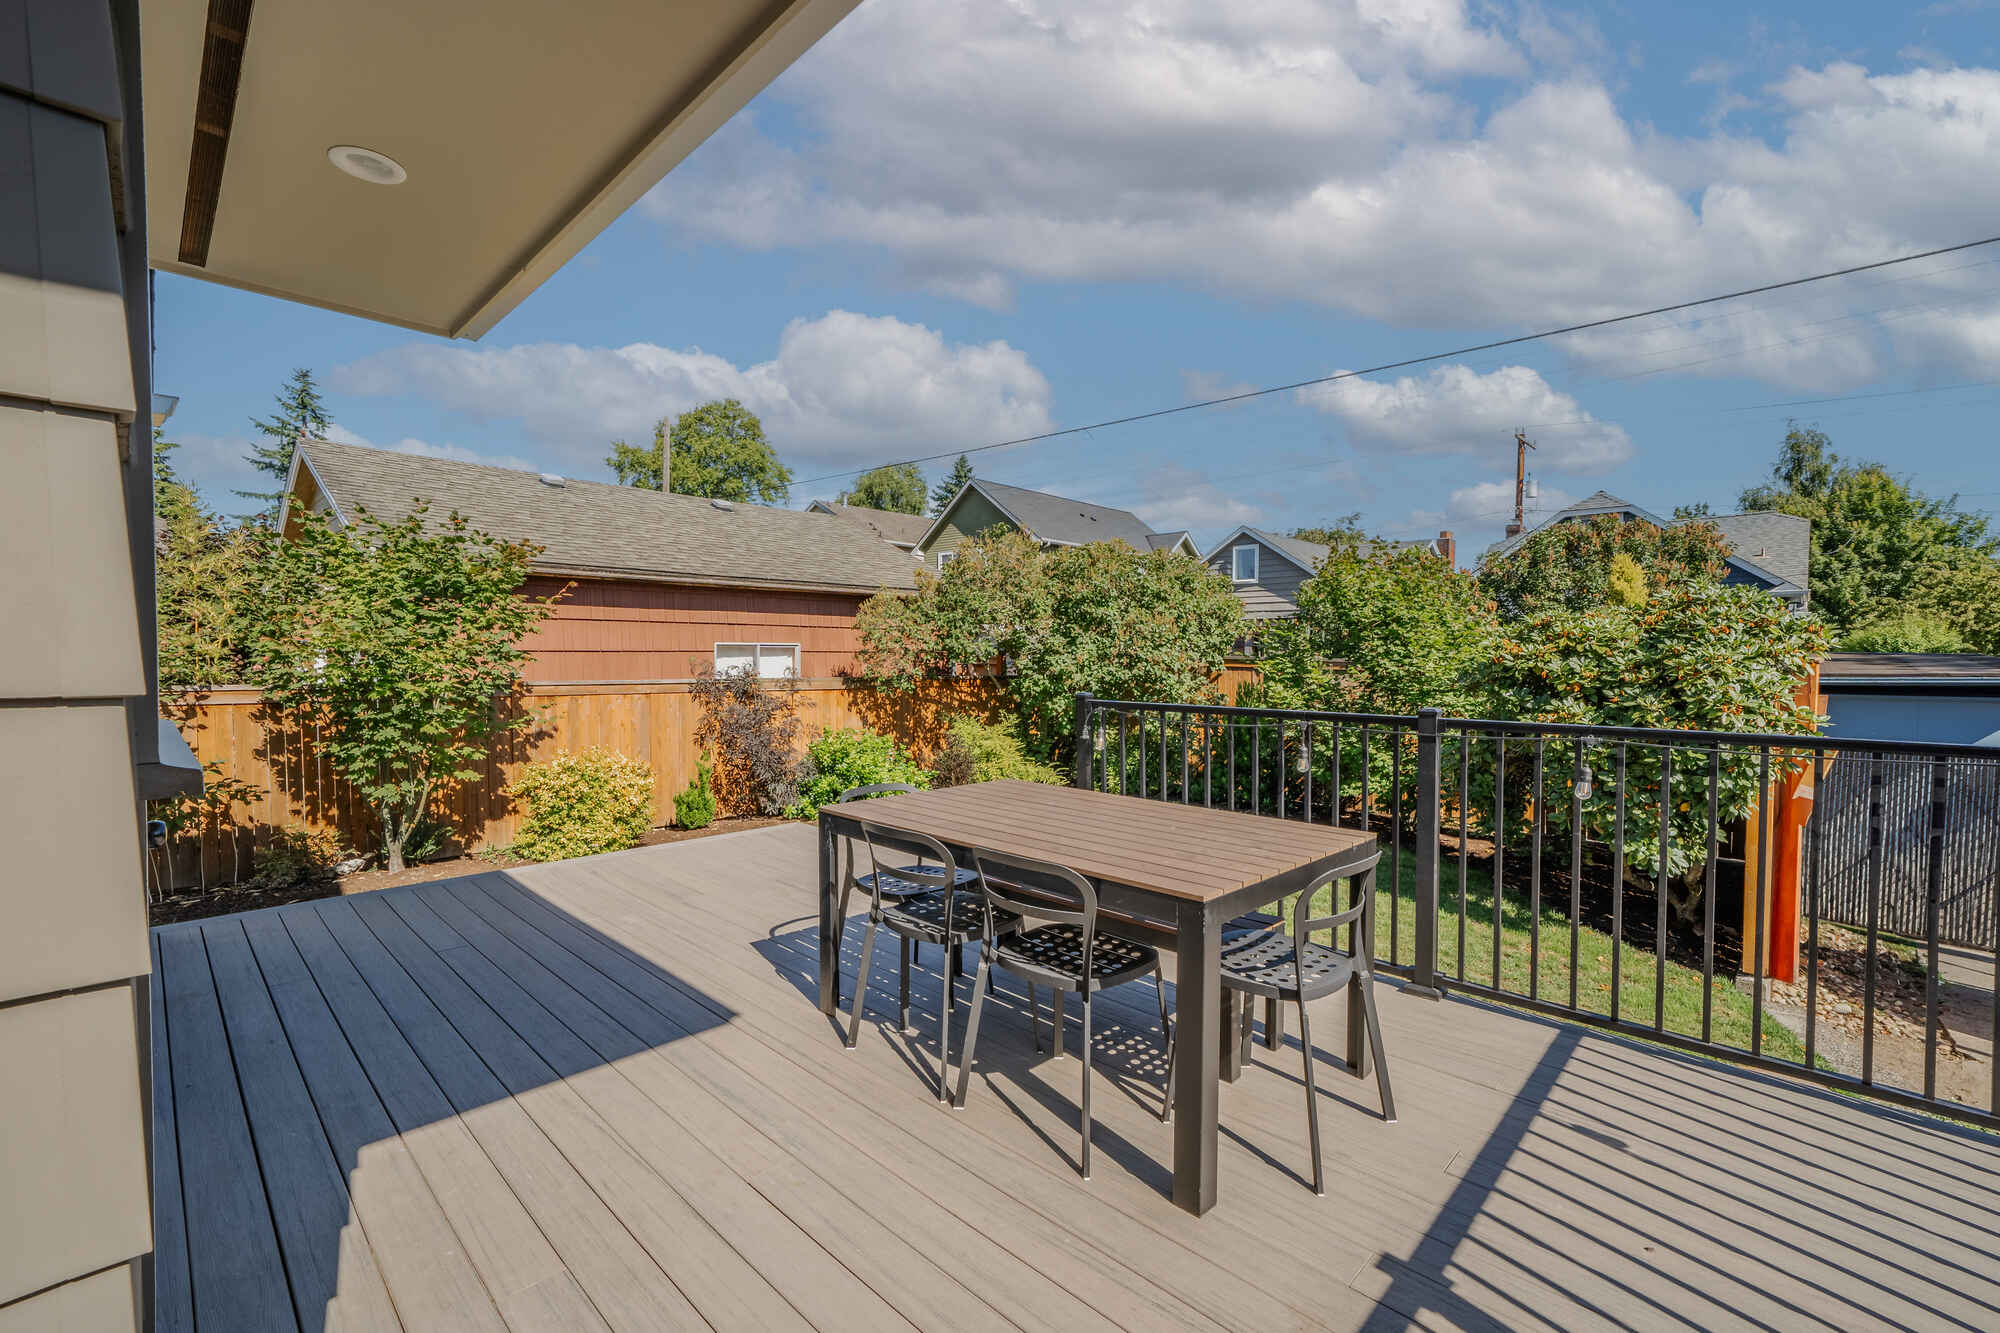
(320, 1068)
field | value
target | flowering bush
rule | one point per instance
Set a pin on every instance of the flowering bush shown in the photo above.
(583, 804)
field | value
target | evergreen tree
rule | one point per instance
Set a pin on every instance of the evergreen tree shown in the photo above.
(299, 411)
(953, 482)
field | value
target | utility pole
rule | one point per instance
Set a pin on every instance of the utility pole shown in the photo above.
(1521, 446)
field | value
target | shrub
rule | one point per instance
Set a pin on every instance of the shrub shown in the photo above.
(583, 804)
(1906, 632)
(297, 860)
(750, 726)
(695, 807)
(842, 759)
(988, 752)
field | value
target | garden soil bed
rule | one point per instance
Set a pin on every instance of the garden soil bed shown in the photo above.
(231, 899)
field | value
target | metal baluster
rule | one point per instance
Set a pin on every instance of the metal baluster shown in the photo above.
(1208, 760)
(1464, 830)
(1229, 735)
(1618, 882)
(1812, 912)
(1395, 846)
(1933, 893)
(1283, 776)
(1311, 727)
(1124, 725)
(1164, 781)
(1367, 767)
(1660, 892)
(1708, 893)
(1336, 775)
(1765, 829)
(1184, 758)
(1499, 841)
(1535, 878)
(1874, 918)
(1256, 764)
(1575, 866)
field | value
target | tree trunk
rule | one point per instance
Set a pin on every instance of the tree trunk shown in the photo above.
(392, 842)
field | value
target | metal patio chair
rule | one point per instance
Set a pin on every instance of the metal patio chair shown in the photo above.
(920, 903)
(1067, 953)
(896, 881)
(1293, 969)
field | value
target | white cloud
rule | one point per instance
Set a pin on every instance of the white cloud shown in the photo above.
(1173, 497)
(1326, 152)
(843, 388)
(410, 444)
(1454, 411)
(1488, 504)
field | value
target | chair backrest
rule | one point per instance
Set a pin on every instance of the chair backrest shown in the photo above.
(878, 789)
(1304, 923)
(943, 875)
(1060, 895)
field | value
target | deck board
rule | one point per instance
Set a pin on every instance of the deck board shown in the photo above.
(600, 1093)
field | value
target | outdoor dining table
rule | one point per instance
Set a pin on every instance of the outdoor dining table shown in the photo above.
(1172, 875)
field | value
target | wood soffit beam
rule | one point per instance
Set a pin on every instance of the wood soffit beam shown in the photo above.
(214, 113)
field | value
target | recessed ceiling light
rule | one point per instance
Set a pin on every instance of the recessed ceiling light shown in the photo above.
(367, 164)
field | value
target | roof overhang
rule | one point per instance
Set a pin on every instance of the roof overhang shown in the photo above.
(1254, 535)
(525, 129)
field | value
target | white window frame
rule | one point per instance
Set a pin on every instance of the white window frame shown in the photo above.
(1236, 574)
(945, 558)
(756, 652)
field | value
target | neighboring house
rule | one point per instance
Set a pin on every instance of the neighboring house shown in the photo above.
(662, 585)
(1266, 569)
(1766, 550)
(981, 506)
(902, 531)
(1952, 697)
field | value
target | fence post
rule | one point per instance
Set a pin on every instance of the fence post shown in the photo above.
(1080, 774)
(1430, 826)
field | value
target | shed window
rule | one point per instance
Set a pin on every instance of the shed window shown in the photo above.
(1243, 563)
(944, 558)
(762, 659)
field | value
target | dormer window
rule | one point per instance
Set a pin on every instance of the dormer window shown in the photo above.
(1243, 563)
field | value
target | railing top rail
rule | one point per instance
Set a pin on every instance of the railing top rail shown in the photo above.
(1812, 742)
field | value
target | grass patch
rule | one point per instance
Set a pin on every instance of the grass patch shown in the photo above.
(1730, 1009)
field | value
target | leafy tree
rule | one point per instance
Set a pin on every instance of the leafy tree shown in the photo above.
(1567, 566)
(401, 642)
(1342, 533)
(898, 487)
(717, 450)
(204, 581)
(1878, 544)
(1101, 617)
(1910, 631)
(635, 466)
(1697, 510)
(1964, 594)
(1698, 656)
(1406, 629)
(300, 411)
(951, 484)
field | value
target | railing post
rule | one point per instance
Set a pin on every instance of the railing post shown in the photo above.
(1430, 826)
(1080, 774)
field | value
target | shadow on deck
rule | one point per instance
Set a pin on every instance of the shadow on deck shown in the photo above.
(599, 1094)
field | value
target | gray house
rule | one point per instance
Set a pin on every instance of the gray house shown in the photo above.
(1053, 520)
(1266, 569)
(1952, 697)
(1766, 550)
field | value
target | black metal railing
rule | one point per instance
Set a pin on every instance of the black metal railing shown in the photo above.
(1690, 887)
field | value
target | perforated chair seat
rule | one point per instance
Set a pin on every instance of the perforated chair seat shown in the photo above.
(1054, 954)
(1265, 964)
(922, 918)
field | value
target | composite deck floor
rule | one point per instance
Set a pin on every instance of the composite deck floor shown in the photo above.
(598, 1094)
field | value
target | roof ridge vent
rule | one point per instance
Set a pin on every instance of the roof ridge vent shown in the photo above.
(723, 505)
(553, 479)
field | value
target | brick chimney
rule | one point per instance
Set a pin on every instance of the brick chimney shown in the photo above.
(1448, 548)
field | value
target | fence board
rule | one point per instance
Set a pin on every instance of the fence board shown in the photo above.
(1972, 847)
(293, 785)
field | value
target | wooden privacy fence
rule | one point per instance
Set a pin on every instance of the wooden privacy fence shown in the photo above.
(288, 783)
(1966, 906)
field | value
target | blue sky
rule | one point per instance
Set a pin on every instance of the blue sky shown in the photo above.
(955, 223)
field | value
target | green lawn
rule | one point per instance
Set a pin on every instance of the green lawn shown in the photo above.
(1730, 1008)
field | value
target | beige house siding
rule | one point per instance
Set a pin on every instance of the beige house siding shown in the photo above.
(1275, 593)
(971, 516)
(75, 536)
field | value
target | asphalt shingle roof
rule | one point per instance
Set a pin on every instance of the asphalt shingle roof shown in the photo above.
(590, 527)
(1054, 518)
(1780, 543)
(887, 524)
(1909, 667)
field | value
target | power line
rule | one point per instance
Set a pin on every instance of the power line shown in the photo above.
(1248, 394)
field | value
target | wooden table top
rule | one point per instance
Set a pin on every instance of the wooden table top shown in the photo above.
(1182, 851)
